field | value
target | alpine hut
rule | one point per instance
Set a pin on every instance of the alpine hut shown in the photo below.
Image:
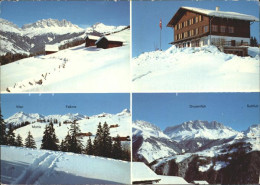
(90, 40)
(49, 49)
(106, 42)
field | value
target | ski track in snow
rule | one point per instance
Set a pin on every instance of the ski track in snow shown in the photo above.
(41, 166)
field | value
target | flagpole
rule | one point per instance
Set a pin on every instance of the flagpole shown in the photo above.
(160, 25)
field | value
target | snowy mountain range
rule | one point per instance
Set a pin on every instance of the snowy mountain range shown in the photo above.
(194, 148)
(86, 124)
(198, 150)
(31, 38)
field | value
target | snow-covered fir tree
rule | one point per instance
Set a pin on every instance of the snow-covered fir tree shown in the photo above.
(29, 141)
(97, 141)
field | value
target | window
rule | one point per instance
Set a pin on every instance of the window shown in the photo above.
(206, 29)
(176, 27)
(197, 19)
(200, 18)
(179, 27)
(215, 28)
(191, 21)
(182, 35)
(188, 23)
(194, 20)
(182, 24)
(196, 31)
(222, 29)
(176, 38)
(230, 29)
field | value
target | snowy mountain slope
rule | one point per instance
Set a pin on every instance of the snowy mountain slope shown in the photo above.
(86, 124)
(76, 69)
(189, 69)
(30, 166)
(53, 26)
(150, 143)
(102, 29)
(199, 129)
(31, 38)
(20, 117)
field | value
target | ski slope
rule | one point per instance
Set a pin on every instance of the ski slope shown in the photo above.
(190, 69)
(31, 166)
(77, 69)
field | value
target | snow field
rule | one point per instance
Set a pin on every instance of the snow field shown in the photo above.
(76, 69)
(31, 166)
(190, 69)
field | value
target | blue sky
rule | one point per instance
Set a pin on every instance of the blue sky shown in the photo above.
(81, 13)
(168, 109)
(47, 104)
(146, 16)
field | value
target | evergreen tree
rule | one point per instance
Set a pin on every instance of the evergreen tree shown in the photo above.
(89, 148)
(3, 135)
(253, 42)
(117, 150)
(65, 147)
(11, 136)
(62, 146)
(49, 140)
(19, 141)
(106, 141)
(29, 141)
(98, 140)
(75, 145)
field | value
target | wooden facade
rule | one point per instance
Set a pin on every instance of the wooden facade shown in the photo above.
(193, 27)
(91, 40)
(106, 43)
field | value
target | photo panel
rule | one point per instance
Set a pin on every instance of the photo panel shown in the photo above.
(195, 46)
(65, 138)
(65, 46)
(198, 138)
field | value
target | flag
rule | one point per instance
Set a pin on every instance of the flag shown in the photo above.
(160, 24)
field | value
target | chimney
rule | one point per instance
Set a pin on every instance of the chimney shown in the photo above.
(217, 8)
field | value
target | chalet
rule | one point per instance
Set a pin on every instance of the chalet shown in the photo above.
(84, 134)
(194, 27)
(114, 126)
(142, 174)
(127, 138)
(49, 49)
(106, 42)
(90, 40)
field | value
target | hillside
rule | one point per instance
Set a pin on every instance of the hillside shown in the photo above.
(77, 69)
(86, 124)
(31, 166)
(189, 69)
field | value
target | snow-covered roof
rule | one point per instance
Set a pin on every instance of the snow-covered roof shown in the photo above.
(212, 13)
(111, 38)
(200, 182)
(51, 47)
(171, 180)
(215, 13)
(92, 37)
(141, 172)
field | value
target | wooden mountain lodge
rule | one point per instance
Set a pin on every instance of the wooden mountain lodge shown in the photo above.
(106, 42)
(90, 40)
(195, 27)
(49, 49)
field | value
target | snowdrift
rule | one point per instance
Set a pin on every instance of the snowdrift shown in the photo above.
(190, 69)
(29, 166)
